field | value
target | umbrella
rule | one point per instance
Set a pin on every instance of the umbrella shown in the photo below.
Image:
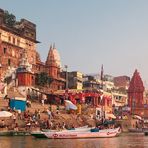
(5, 114)
(70, 105)
(137, 117)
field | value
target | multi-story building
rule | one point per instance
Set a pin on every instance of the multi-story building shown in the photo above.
(75, 80)
(122, 82)
(91, 83)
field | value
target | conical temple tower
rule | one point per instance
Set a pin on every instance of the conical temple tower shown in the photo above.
(53, 62)
(135, 94)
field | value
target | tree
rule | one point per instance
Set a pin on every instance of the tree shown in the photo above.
(9, 19)
(43, 79)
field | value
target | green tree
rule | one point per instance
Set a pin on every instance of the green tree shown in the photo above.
(10, 19)
(43, 79)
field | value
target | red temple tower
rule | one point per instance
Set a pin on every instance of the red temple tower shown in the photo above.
(135, 94)
(53, 65)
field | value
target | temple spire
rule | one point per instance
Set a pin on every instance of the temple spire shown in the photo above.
(50, 46)
(135, 93)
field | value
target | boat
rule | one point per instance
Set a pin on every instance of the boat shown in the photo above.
(14, 133)
(38, 134)
(136, 130)
(73, 135)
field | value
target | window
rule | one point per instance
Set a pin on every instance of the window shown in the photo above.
(9, 62)
(5, 50)
(18, 42)
(13, 40)
(9, 38)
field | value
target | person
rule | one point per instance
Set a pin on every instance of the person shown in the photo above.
(49, 113)
(3, 123)
(63, 125)
(14, 118)
(57, 109)
(42, 101)
(28, 103)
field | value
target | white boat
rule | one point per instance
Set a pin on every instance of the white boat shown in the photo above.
(40, 134)
(72, 135)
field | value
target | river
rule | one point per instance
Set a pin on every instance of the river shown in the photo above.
(125, 140)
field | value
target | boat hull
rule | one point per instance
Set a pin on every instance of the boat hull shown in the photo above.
(75, 135)
(135, 130)
(38, 135)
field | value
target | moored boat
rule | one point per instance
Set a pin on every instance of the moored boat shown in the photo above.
(88, 134)
(38, 134)
(135, 130)
(14, 133)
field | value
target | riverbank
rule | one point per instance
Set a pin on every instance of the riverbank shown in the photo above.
(46, 116)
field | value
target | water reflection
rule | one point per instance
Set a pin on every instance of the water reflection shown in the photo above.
(123, 141)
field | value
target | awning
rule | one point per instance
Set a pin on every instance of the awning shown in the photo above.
(137, 117)
(4, 114)
(70, 105)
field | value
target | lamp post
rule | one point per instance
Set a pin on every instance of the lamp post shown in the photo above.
(66, 67)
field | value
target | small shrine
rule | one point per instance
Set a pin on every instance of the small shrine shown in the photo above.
(24, 74)
(135, 94)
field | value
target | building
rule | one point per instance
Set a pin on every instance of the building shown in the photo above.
(17, 36)
(75, 80)
(122, 82)
(91, 82)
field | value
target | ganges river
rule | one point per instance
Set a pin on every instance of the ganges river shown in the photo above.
(126, 140)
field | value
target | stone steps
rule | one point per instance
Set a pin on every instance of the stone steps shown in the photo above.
(36, 106)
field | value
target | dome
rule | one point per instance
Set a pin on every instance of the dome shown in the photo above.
(53, 57)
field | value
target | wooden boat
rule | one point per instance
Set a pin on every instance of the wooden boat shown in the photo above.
(38, 134)
(135, 130)
(14, 133)
(145, 130)
(73, 135)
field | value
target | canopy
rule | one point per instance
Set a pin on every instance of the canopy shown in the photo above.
(110, 116)
(137, 117)
(5, 114)
(70, 105)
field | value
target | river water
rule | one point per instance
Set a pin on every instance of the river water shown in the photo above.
(125, 140)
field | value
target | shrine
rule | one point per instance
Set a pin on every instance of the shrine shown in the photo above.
(135, 94)
(24, 74)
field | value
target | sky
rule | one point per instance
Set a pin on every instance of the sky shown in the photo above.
(89, 33)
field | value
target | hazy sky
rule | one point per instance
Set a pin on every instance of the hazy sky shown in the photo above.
(88, 33)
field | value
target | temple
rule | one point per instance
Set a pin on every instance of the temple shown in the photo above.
(135, 94)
